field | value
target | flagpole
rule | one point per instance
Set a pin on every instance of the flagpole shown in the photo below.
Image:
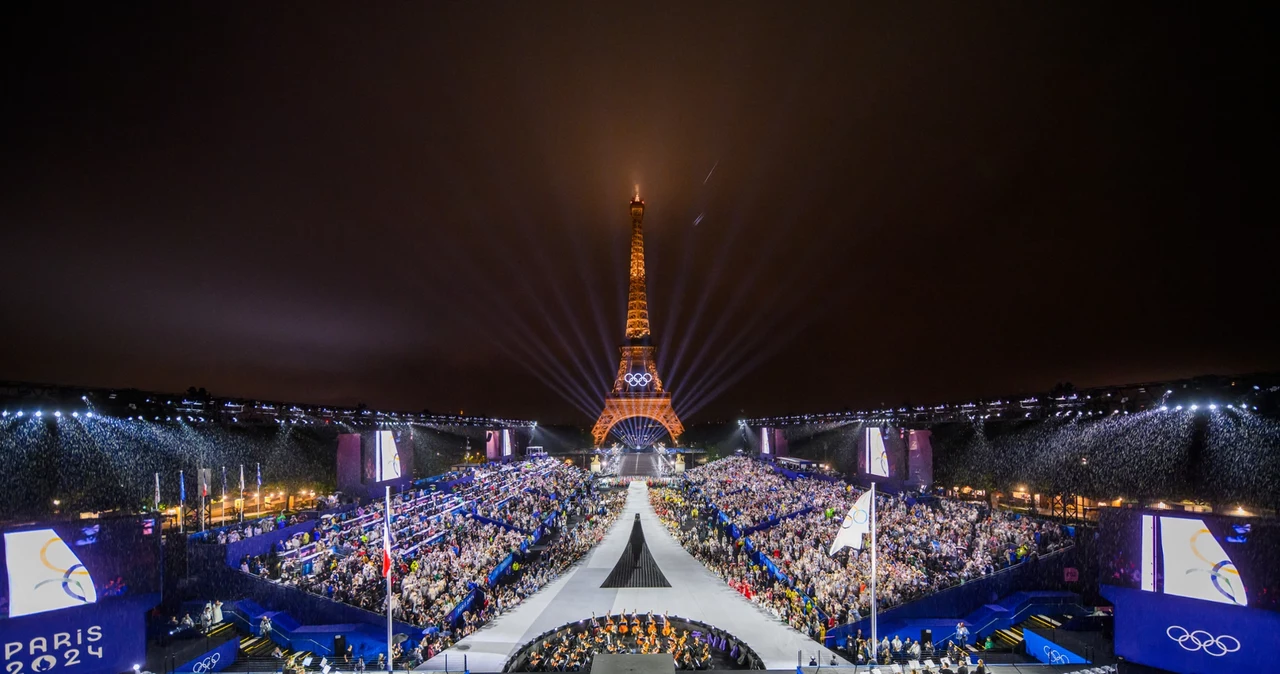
(182, 502)
(875, 649)
(242, 504)
(390, 665)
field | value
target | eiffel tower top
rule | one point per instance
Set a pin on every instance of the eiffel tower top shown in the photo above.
(637, 294)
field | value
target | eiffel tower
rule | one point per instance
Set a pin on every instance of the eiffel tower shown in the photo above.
(637, 390)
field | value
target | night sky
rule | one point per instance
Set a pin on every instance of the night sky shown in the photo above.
(424, 205)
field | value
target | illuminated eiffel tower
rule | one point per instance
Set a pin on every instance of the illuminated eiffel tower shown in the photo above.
(637, 390)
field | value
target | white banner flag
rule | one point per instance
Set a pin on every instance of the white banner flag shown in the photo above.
(855, 524)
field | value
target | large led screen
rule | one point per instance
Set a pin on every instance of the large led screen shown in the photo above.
(1194, 592)
(877, 457)
(1213, 558)
(388, 457)
(68, 564)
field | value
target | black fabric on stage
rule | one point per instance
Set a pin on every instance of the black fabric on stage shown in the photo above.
(636, 567)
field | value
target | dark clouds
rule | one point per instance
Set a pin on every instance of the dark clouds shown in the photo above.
(424, 206)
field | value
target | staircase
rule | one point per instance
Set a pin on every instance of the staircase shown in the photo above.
(255, 656)
(224, 629)
(1012, 637)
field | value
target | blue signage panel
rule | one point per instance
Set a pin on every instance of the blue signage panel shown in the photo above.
(102, 637)
(214, 660)
(1049, 652)
(1190, 635)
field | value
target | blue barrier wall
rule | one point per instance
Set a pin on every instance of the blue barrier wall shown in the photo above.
(498, 523)
(773, 520)
(214, 660)
(455, 616)
(105, 637)
(1192, 635)
(364, 639)
(261, 545)
(1048, 652)
(219, 581)
(501, 569)
(212, 534)
(1034, 574)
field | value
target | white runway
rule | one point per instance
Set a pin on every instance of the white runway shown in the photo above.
(694, 593)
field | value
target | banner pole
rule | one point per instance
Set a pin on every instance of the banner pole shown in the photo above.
(203, 487)
(390, 665)
(875, 648)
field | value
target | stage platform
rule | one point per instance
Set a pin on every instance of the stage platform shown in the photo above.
(694, 593)
(639, 465)
(605, 663)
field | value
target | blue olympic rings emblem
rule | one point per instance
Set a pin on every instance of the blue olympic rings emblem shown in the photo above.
(855, 517)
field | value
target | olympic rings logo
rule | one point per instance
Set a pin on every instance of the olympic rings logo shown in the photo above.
(1219, 573)
(66, 580)
(856, 517)
(634, 379)
(207, 664)
(1200, 640)
(1054, 657)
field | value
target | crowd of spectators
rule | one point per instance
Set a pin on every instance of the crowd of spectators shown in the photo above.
(238, 532)
(586, 520)
(922, 546)
(693, 525)
(746, 491)
(444, 545)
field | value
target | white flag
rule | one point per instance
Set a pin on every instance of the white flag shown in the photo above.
(855, 524)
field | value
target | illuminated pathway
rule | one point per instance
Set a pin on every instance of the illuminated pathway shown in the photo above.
(635, 463)
(694, 593)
